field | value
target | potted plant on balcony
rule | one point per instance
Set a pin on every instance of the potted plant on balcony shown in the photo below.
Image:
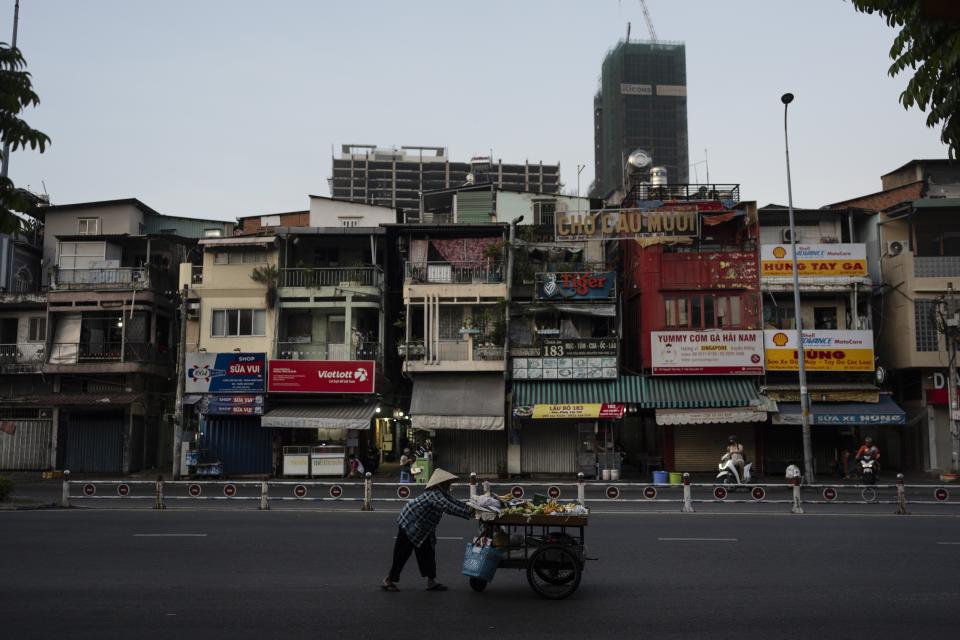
(469, 327)
(494, 255)
(269, 276)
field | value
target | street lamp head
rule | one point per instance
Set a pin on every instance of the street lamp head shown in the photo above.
(786, 98)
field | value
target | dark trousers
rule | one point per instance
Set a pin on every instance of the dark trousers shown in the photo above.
(426, 557)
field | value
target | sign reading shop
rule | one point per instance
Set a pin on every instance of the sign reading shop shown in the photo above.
(225, 372)
(321, 376)
(671, 220)
(575, 286)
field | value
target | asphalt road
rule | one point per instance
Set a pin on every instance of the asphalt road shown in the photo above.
(291, 574)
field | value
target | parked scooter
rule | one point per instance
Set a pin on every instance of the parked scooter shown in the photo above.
(730, 474)
(869, 469)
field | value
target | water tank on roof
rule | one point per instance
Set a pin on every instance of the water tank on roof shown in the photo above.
(658, 176)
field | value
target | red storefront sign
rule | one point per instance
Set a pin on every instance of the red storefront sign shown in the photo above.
(321, 376)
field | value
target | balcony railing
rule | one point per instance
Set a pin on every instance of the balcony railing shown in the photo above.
(308, 351)
(370, 276)
(453, 272)
(936, 266)
(14, 360)
(451, 350)
(94, 352)
(690, 192)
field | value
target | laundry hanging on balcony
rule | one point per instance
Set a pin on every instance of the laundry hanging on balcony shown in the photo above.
(465, 401)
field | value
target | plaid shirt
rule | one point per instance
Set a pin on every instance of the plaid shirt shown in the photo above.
(419, 517)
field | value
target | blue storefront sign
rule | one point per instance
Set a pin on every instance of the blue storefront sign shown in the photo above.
(226, 372)
(243, 405)
(860, 414)
(571, 285)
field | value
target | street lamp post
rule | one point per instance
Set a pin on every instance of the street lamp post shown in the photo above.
(786, 99)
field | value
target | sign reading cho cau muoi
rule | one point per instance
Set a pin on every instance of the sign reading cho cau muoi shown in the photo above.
(668, 220)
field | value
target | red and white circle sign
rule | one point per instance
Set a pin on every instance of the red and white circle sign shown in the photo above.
(229, 490)
(89, 489)
(299, 491)
(758, 493)
(194, 490)
(941, 494)
(720, 493)
(517, 491)
(123, 490)
(336, 491)
(613, 493)
(403, 492)
(649, 493)
(830, 494)
(553, 492)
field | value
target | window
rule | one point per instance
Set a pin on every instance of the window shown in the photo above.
(88, 226)
(703, 311)
(824, 317)
(38, 330)
(349, 222)
(239, 322)
(240, 256)
(81, 255)
(213, 233)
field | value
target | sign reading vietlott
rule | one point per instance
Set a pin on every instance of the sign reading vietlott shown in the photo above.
(669, 220)
(321, 376)
(576, 286)
(711, 352)
(824, 350)
(225, 372)
(605, 411)
(814, 260)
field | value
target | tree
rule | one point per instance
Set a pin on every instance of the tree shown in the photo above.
(931, 48)
(16, 94)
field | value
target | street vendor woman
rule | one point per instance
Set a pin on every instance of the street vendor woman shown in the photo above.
(417, 531)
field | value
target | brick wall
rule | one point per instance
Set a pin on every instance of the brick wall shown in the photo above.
(293, 219)
(884, 199)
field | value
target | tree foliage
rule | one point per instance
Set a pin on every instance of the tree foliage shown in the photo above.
(16, 95)
(931, 49)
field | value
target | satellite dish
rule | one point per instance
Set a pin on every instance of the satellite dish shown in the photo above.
(639, 159)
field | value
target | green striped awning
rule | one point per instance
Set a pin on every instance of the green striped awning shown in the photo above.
(644, 391)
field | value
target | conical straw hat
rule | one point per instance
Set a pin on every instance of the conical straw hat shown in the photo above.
(439, 477)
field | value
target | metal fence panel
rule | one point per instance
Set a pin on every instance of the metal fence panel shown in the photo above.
(28, 448)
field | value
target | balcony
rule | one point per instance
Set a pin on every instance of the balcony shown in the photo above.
(307, 351)
(79, 353)
(451, 355)
(312, 278)
(687, 192)
(120, 278)
(26, 358)
(453, 273)
(710, 270)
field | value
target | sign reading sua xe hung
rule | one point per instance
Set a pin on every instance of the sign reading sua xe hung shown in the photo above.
(814, 260)
(823, 350)
(606, 410)
(711, 352)
(669, 220)
(229, 372)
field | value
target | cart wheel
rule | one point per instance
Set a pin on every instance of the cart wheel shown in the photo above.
(477, 584)
(554, 572)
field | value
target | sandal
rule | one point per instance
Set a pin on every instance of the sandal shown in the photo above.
(388, 586)
(437, 587)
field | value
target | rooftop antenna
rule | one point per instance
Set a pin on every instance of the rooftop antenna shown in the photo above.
(649, 21)
(628, 31)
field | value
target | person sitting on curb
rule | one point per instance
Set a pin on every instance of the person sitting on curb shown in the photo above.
(417, 529)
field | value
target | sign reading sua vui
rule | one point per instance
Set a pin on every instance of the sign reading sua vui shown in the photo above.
(823, 350)
(229, 372)
(814, 260)
(711, 352)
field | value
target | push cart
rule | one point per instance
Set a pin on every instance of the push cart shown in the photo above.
(550, 548)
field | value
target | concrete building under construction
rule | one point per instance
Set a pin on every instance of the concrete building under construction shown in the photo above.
(394, 177)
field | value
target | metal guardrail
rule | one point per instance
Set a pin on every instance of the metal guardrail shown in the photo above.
(366, 492)
(367, 276)
(453, 272)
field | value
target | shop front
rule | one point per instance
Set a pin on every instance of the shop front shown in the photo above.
(463, 416)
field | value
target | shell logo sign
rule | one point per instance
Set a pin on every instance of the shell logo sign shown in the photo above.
(846, 260)
(823, 350)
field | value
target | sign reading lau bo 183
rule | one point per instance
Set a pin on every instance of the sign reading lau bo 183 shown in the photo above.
(321, 376)
(225, 372)
(814, 260)
(706, 352)
(669, 220)
(570, 411)
(824, 350)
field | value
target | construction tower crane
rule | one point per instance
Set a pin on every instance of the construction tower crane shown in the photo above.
(646, 17)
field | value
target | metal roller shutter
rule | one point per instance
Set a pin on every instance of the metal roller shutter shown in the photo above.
(700, 447)
(28, 448)
(241, 444)
(465, 451)
(93, 442)
(548, 448)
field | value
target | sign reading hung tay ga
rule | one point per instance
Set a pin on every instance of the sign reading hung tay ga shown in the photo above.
(814, 260)
(571, 285)
(667, 221)
(823, 350)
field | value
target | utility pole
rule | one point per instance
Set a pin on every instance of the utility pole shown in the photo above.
(5, 166)
(181, 383)
(786, 99)
(580, 168)
(950, 326)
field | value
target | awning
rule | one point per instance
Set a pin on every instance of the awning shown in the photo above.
(645, 392)
(709, 416)
(237, 241)
(466, 401)
(863, 414)
(586, 309)
(331, 416)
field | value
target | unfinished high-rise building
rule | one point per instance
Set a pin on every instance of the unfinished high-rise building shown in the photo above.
(394, 177)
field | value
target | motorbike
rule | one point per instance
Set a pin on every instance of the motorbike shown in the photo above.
(728, 472)
(869, 469)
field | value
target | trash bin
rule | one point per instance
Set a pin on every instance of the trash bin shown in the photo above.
(676, 477)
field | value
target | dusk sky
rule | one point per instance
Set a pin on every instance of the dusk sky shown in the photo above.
(220, 108)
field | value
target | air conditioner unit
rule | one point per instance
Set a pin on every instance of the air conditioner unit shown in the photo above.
(787, 238)
(895, 247)
(193, 309)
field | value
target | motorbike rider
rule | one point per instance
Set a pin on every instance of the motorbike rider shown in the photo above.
(735, 449)
(868, 449)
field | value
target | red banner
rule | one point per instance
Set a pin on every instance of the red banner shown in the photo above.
(321, 376)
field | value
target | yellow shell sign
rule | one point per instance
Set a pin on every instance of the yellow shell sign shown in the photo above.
(814, 260)
(823, 350)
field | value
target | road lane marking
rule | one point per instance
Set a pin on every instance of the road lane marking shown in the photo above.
(697, 539)
(948, 543)
(169, 535)
(443, 537)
